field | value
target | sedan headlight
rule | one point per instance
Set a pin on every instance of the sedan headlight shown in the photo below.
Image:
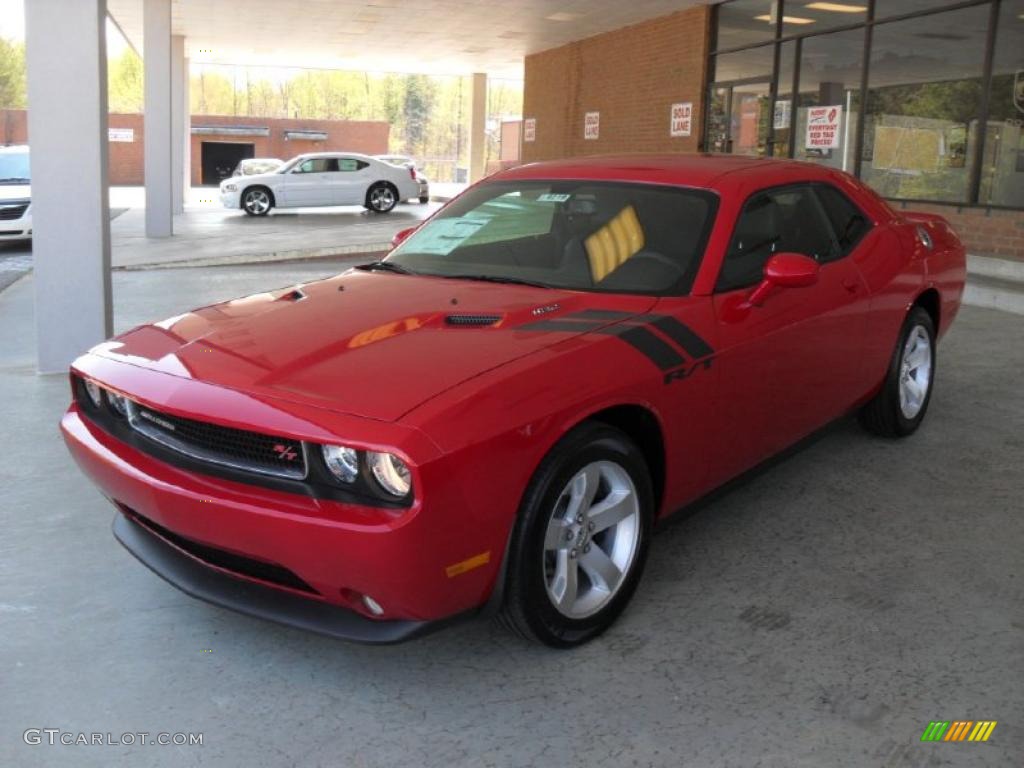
(391, 472)
(342, 462)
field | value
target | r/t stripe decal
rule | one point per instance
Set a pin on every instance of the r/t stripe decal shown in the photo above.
(636, 331)
(638, 337)
(691, 343)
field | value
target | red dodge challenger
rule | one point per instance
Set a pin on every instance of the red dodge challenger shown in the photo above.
(493, 417)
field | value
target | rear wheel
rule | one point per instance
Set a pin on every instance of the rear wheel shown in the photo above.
(424, 199)
(581, 538)
(256, 201)
(381, 197)
(899, 407)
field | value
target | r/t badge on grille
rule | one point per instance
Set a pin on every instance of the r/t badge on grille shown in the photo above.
(286, 452)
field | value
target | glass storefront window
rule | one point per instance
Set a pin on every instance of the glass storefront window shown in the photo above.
(745, 22)
(923, 100)
(739, 103)
(1002, 169)
(830, 73)
(782, 116)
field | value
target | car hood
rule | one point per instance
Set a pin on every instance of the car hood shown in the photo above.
(15, 192)
(265, 177)
(369, 344)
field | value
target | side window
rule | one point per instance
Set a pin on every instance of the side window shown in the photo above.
(351, 164)
(789, 219)
(317, 165)
(848, 223)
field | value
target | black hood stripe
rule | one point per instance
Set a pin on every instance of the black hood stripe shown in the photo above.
(684, 336)
(657, 351)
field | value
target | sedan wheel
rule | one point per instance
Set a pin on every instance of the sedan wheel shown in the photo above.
(256, 202)
(580, 540)
(381, 198)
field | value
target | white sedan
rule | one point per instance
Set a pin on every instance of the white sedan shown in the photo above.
(324, 178)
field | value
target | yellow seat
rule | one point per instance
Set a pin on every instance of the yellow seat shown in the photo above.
(609, 247)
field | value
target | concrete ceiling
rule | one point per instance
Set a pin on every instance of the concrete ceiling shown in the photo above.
(423, 36)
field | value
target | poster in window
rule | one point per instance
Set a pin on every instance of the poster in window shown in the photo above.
(530, 129)
(783, 114)
(591, 126)
(823, 127)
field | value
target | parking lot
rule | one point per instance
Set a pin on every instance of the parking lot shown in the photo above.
(821, 613)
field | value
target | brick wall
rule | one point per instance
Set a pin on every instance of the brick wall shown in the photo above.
(631, 76)
(126, 158)
(985, 231)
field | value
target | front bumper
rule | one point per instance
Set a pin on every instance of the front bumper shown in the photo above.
(338, 551)
(199, 580)
(230, 199)
(17, 229)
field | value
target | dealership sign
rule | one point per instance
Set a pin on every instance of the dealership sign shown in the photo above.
(591, 125)
(530, 129)
(823, 127)
(681, 123)
(121, 134)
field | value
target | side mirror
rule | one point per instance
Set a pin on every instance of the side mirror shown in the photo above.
(784, 270)
(399, 238)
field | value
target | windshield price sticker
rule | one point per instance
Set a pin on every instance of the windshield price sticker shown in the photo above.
(554, 197)
(445, 235)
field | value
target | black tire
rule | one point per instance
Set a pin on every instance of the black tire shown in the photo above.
(381, 197)
(884, 415)
(257, 201)
(424, 200)
(528, 609)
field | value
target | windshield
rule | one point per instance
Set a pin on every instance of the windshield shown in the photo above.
(579, 235)
(14, 168)
(253, 167)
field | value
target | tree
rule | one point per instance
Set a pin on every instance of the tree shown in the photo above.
(124, 83)
(12, 74)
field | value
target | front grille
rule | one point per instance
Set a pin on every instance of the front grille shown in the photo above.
(13, 210)
(229, 561)
(236, 448)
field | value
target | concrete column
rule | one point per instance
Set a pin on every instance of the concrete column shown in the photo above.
(156, 59)
(181, 137)
(478, 128)
(67, 88)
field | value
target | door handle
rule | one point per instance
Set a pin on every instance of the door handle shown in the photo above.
(850, 285)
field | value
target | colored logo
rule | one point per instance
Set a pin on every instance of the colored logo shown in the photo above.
(958, 730)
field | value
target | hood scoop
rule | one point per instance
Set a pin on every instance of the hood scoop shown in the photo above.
(472, 321)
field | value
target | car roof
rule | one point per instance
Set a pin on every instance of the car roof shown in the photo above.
(690, 170)
(307, 155)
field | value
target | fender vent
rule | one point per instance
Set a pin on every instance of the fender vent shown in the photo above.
(472, 321)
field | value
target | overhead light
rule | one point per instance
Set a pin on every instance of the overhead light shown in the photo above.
(837, 7)
(785, 19)
(563, 16)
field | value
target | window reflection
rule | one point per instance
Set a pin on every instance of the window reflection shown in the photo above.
(923, 100)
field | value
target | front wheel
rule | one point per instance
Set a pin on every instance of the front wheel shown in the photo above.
(899, 407)
(424, 199)
(581, 538)
(256, 201)
(381, 197)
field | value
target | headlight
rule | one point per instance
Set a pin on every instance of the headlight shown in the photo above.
(230, 187)
(390, 471)
(119, 403)
(342, 462)
(94, 392)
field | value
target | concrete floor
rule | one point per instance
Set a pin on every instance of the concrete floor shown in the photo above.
(819, 615)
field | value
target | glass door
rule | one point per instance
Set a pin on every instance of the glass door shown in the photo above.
(739, 117)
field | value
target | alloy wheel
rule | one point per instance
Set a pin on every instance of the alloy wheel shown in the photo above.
(915, 376)
(591, 540)
(382, 199)
(257, 201)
